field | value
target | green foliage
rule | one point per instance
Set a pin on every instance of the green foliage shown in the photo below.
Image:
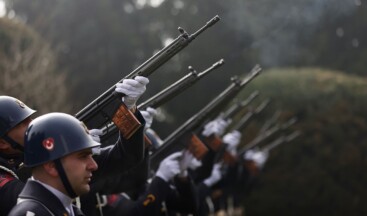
(322, 172)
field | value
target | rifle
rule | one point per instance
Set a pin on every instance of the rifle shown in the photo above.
(280, 140)
(177, 87)
(243, 122)
(267, 134)
(174, 141)
(270, 122)
(101, 111)
(235, 108)
(166, 94)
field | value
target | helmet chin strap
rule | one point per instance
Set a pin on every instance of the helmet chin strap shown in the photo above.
(64, 178)
(13, 144)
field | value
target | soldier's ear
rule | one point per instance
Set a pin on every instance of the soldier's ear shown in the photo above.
(3, 144)
(50, 168)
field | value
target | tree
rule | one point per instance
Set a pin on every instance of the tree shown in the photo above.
(27, 69)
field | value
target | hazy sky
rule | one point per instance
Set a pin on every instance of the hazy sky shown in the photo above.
(2, 8)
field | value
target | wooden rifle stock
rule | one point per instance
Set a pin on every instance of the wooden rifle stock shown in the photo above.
(166, 94)
(175, 142)
(101, 111)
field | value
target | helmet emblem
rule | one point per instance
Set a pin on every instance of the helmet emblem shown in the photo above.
(48, 143)
(20, 103)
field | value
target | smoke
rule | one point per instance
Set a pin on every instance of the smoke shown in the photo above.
(275, 25)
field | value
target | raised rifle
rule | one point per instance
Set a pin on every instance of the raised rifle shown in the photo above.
(166, 94)
(267, 133)
(101, 111)
(176, 141)
(238, 106)
(243, 122)
(282, 139)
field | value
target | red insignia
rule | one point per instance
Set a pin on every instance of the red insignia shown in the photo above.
(5, 178)
(48, 143)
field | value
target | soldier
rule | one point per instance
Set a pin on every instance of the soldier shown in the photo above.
(170, 191)
(15, 116)
(58, 149)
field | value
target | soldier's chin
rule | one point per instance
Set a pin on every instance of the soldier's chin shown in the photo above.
(83, 190)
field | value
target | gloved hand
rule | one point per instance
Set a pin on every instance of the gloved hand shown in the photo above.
(215, 176)
(216, 127)
(95, 133)
(133, 89)
(248, 154)
(148, 115)
(232, 139)
(260, 158)
(194, 164)
(187, 157)
(169, 167)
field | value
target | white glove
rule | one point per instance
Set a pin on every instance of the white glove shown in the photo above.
(148, 115)
(248, 154)
(232, 140)
(95, 133)
(185, 162)
(133, 89)
(194, 164)
(215, 127)
(260, 158)
(215, 176)
(169, 167)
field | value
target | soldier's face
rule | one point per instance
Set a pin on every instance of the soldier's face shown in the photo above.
(17, 134)
(78, 168)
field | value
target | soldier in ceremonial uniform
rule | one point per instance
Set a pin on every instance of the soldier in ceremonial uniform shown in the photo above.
(15, 117)
(169, 191)
(58, 149)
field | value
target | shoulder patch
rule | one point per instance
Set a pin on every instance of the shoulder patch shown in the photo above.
(5, 178)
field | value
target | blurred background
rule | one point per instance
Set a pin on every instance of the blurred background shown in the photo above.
(58, 55)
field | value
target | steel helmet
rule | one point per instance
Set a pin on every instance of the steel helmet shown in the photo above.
(12, 112)
(53, 136)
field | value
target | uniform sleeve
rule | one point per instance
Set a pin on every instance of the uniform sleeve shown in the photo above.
(27, 208)
(116, 159)
(183, 198)
(10, 188)
(149, 203)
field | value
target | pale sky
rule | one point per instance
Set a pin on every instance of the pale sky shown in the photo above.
(2, 8)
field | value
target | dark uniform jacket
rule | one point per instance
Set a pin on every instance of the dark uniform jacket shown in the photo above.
(159, 199)
(40, 201)
(10, 185)
(113, 160)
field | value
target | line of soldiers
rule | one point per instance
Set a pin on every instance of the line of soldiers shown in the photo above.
(54, 165)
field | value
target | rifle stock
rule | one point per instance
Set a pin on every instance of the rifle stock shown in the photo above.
(100, 111)
(174, 141)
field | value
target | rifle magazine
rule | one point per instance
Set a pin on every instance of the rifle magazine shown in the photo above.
(196, 147)
(214, 142)
(126, 121)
